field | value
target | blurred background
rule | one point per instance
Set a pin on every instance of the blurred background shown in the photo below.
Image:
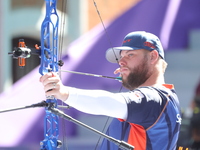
(83, 40)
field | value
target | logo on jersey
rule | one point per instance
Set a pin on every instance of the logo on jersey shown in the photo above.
(137, 96)
(178, 116)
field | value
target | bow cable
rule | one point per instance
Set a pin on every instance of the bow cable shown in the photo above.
(108, 37)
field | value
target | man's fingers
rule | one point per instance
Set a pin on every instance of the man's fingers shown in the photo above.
(117, 71)
(48, 79)
(50, 93)
(53, 92)
(50, 86)
(46, 76)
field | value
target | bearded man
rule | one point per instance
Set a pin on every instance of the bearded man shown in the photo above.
(148, 115)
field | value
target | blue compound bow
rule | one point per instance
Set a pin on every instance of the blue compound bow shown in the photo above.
(48, 52)
(49, 63)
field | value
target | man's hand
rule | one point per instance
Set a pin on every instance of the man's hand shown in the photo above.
(54, 87)
(118, 71)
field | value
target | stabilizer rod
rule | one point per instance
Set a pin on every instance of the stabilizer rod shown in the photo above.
(121, 144)
(41, 104)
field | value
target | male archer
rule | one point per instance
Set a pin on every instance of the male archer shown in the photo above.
(148, 115)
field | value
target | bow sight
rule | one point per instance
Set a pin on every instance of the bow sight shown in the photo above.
(22, 52)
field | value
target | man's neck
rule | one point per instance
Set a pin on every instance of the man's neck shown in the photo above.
(154, 81)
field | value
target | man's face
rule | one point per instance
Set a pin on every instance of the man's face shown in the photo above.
(134, 68)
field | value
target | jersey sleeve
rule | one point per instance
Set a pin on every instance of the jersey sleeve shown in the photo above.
(144, 106)
(98, 102)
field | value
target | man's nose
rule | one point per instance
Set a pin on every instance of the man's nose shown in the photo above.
(122, 61)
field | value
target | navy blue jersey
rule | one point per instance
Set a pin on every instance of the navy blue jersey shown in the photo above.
(153, 120)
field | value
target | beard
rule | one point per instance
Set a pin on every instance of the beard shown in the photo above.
(137, 76)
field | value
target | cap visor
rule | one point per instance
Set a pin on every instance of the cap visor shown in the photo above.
(113, 54)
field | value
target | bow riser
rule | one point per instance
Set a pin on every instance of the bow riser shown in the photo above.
(49, 39)
(49, 63)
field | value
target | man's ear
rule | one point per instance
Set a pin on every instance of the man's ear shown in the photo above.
(154, 56)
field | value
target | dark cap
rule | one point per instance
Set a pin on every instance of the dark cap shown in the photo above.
(133, 41)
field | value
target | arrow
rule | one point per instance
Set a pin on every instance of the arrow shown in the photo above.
(94, 75)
